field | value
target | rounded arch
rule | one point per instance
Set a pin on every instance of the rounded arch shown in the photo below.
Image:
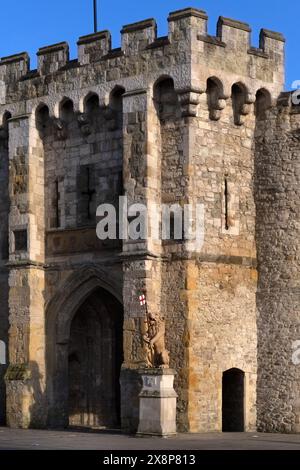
(5, 118)
(215, 82)
(233, 400)
(263, 102)
(240, 86)
(65, 108)
(90, 102)
(235, 369)
(117, 89)
(115, 97)
(42, 115)
(215, 97)
(179, 83)
(114, 112)
(165, 98)
(39, 107)
(239, 95)
(163, 78)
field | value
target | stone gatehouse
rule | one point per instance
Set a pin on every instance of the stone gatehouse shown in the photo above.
(179, 119)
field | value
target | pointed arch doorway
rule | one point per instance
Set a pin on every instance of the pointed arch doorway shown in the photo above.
(84, 325)
(95, 356)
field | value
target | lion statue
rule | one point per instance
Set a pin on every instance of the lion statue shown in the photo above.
(157, 355)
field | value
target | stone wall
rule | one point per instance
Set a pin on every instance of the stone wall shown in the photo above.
(4, 210)
(161, 120)
(83, 161)
(221, 282)
(278, 300)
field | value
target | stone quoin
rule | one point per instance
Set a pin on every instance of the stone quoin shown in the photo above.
(183, 119)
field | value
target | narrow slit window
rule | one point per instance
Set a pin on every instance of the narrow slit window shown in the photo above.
(57, 201)
(226, 197)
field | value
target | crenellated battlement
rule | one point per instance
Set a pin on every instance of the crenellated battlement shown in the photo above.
(13, 67)
(198, 130)
(187, 32)
(52, 58)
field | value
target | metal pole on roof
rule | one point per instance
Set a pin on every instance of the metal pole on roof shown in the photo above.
(95, 17)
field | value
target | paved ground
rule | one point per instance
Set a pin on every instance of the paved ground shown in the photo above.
(101, 440)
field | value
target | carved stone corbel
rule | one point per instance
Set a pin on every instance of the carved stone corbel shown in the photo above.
(84, 124)
(244, 109)
(110, 116)
(189, 99)
(217, 104)
(60, 128)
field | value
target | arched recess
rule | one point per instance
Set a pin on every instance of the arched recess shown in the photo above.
(262, 103)
(91, 103)
(215, 98)
(66, 110)
(166, 99)
(116, 107)
(233, 400)
(240, 109)
(80, 294)
(115, 97)
(42, 119)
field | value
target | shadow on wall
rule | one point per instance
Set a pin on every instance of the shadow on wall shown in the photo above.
(37, 396)
(3, 346)
(2, 383)
(277, 157)
(4, 212)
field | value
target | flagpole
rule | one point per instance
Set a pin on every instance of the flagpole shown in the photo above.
(95, 17)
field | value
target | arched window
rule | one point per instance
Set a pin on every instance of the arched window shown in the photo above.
(6, 117)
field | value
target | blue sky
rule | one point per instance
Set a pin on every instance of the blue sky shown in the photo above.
(26, 25)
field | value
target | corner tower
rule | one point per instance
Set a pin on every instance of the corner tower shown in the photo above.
(236, 83)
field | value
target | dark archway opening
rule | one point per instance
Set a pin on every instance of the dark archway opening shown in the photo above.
(238, 97)
(94, 362)
(166, 100)
(262, 104)
(233, 400)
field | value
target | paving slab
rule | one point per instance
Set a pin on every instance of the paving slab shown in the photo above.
(20, 439)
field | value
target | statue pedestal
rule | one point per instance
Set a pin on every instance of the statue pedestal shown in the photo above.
(157, 415)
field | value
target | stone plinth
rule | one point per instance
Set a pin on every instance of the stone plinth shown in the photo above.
(157, 414)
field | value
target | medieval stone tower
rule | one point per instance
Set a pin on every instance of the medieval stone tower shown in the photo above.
(181, 119)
